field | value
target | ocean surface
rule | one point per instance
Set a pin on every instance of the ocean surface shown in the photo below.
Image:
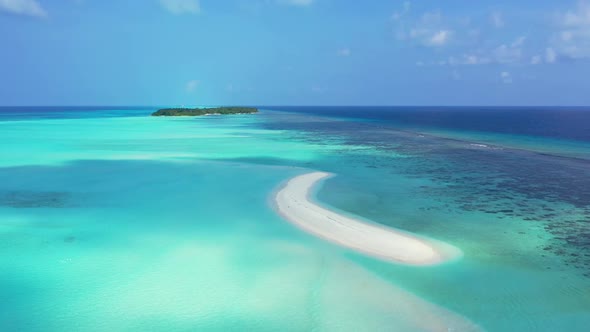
(112, 220)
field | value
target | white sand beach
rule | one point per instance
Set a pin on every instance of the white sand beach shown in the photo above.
(294, 204)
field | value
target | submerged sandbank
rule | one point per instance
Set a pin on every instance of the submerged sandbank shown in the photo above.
(294, 204)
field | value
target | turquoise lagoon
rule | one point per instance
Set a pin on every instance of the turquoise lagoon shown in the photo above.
(111, 220)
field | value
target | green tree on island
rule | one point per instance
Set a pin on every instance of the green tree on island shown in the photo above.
(204, 111)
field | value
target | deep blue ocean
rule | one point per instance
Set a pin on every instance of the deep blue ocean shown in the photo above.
(555, 122)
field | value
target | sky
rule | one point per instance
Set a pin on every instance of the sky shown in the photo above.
(294, 52)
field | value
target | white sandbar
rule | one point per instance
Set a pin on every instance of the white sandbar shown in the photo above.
(294, 204)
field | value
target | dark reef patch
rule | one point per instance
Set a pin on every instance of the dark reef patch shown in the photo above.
(70, 239)
(35, 199)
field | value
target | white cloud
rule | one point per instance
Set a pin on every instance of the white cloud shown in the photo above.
(192, 85)
(578, 17)
(573, 37)
(429, 37)
(398, 15)
(427, 30)
(299, 3)
(469, 59)
(550, 55)
(570, 40)
(23, 7)
(440, 38)
(504, 54)
(344, 52)
(179, 7)
(512, 53)
(497, 19)
(506, 77)
(518, 42)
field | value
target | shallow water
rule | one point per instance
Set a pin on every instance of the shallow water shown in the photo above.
(112, 220)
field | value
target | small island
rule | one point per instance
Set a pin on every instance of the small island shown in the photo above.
(204, 111)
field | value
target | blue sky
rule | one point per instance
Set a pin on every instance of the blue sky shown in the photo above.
(294, 52)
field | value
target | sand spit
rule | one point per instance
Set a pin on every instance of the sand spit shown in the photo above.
(293, 202)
